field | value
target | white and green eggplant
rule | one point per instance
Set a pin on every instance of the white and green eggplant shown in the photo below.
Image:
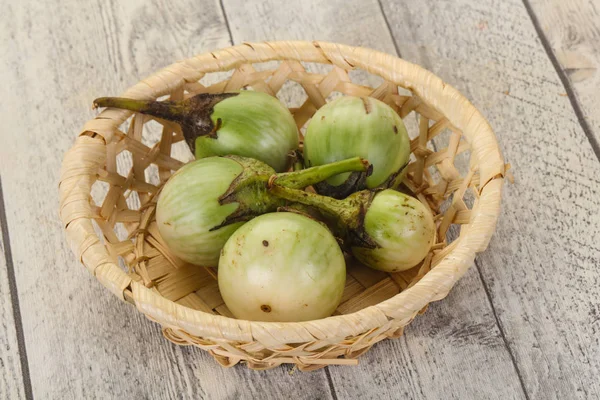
(357, 127)
(205, 201)
(282, 267)
(386, 230)
(246, 123)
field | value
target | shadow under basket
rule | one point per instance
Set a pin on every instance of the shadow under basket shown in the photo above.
(110, 179)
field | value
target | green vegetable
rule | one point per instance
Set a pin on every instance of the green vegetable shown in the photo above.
(282, 267)
(247, 123)
(401, 227)
(357, 127)
(205, 201)
(386, 230)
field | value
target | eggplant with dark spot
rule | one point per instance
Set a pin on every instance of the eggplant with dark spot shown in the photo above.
(299, 276)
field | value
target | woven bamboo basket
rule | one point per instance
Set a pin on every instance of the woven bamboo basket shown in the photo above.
(112, 174)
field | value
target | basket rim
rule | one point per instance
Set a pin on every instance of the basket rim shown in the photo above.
(391, 314)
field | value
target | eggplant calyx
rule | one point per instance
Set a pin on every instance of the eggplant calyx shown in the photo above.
(197, 121)
(356, 235)
(193, 114)
(249, 190)
(252, 171)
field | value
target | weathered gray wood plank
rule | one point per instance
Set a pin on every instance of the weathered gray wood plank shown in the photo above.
(455, 350)
(541, 268)
(81, 341)
(11, 379)
(572, 29)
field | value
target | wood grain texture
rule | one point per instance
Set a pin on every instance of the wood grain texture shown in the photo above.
(11, 379)
(81, 341)
(455, 350)
(572, 29)
(541, 268)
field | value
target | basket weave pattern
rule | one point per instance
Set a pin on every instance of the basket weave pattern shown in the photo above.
(138, 267)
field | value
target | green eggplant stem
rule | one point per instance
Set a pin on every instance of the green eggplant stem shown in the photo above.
(162, 109)
(310, 176)
(298, 163)
(251, 191)
(332, 206)
(297, 166)
(348, 214)
(192, 114)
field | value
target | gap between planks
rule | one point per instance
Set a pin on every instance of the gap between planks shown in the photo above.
(14, 299)
(564, 79)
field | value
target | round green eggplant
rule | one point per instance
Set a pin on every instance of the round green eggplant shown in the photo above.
(246, 123)
(357, 127)
(282, 267)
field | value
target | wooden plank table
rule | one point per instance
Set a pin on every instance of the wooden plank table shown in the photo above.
(523, 323)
